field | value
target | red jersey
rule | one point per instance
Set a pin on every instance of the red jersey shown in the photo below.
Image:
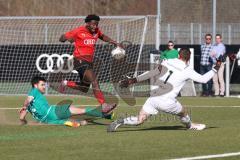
(84, 42)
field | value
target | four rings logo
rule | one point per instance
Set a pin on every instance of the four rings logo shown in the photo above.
(60, 63)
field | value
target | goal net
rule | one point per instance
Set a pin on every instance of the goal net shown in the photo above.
(29, 46)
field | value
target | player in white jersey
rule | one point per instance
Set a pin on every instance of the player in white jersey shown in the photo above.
(172, 75)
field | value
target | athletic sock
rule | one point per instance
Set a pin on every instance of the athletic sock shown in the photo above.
(99, 96)
(131, 121)
(72, 84)
(186, 120)
(96, 112)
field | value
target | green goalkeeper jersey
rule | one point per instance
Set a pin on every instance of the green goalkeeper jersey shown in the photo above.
(39, 106)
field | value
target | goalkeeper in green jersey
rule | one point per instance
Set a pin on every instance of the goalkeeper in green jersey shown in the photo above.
(37, 104)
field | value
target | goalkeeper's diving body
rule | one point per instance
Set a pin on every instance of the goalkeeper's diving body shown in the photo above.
(173, 74)
(37, 104)
(85, 38)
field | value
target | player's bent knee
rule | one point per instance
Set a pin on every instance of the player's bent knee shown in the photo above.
(89, 76)
(76, 111)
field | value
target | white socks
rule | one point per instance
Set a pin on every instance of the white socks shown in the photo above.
(131, 121)
(134, 121)
(186, 120)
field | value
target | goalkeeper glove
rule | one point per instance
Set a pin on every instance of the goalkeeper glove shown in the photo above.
(127, 81)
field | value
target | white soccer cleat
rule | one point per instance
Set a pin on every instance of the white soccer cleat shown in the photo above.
(196, 126)
(114, 125)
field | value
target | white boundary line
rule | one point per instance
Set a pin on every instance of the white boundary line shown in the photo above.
(9, 108)
(210, 156)
(84, 105)
(212, 106)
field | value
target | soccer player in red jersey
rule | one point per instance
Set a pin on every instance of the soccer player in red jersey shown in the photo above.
(85, 38)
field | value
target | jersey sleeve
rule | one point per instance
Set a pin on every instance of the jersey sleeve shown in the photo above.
(32, 93)
(198, 77)
(71, 34)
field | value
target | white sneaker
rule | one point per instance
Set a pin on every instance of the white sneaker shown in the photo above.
(196, 126)
(114, 125)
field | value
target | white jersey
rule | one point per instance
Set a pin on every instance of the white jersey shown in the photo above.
(177, 75)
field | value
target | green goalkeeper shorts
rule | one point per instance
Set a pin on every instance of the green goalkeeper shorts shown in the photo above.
(58, 114)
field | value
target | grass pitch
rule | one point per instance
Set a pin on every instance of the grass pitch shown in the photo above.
(161, 137)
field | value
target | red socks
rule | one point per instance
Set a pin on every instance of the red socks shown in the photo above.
(97, 93)
(72, 84)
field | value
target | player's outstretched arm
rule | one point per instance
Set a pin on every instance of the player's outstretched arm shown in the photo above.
(127, 81)
(109, 40)
(22, 119)
(207, 76)
(23, 111)
(201, 78)
(160, 70)
(64, 39)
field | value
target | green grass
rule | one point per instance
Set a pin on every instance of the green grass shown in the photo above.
(161, 137)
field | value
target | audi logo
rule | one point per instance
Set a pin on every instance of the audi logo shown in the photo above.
(60, 63)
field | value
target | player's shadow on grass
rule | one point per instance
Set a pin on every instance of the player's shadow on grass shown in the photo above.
(177, 127)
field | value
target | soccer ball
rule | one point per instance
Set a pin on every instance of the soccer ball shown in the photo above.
(118, 53)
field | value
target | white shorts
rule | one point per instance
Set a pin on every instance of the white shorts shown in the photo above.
(155, 104)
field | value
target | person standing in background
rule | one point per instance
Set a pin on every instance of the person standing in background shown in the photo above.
(206, 64)
(219, 49)
(170, 52)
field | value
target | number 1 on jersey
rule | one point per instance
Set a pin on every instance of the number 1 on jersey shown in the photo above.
(170, 73)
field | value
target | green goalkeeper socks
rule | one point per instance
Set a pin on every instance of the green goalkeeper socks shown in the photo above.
(96, 112)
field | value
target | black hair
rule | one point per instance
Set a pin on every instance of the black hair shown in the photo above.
(92, 17)
(36, 79)
(171, 42)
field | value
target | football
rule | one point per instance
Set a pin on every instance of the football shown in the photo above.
(118, 53)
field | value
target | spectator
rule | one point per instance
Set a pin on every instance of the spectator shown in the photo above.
(206, 64)
(218, 79)
(170, 52)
